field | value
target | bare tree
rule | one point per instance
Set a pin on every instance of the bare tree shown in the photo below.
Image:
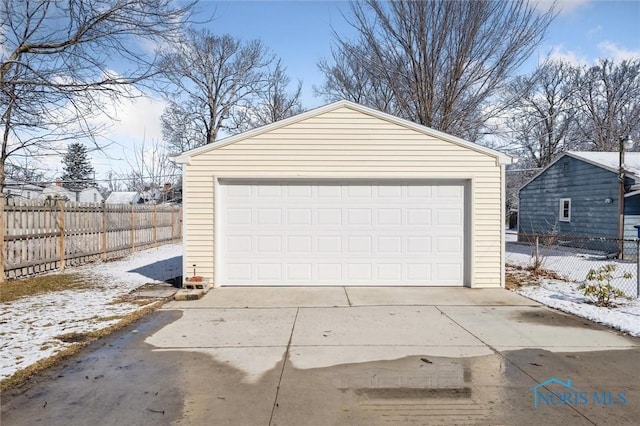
(183, 127)
(62, 61)
(214, 77)
(27, 172)
(442, 60)
(609, 99)
(274, 102)
(349, 76)
(114, 182)
(541, 114)
(150, 168)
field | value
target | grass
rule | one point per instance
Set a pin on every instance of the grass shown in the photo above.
(516, 276)
(78, 341)
(12, 290)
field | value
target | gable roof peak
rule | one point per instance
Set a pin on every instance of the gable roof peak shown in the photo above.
(185, 157)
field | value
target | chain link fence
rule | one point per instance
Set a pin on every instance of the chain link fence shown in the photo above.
(571, 258)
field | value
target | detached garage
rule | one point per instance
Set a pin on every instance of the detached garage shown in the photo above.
(344, 195)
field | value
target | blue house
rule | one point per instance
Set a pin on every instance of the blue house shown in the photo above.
(577, 195)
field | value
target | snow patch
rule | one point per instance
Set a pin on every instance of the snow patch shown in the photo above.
(30, 324)
(566, 296)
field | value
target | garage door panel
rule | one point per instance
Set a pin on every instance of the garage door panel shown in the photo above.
(418, 272)
(299, 271)
(388, 217)
(341, 234)
(418, 216)
(299, 216)
(239, 244)
(329, 272)
(329, 216)
(393, 192)
(449, 217)
(239, 216)
(269, 271)
(238, 271)
(448, 272)
(299, 244)
(449, 245)
(359, 216)
(389, 244)
(359, 271)
(389, 271)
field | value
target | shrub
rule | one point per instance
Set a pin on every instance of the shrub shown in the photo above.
(599, 288)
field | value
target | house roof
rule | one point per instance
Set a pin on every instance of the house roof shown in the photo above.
(56, 189)
(605, 160)
(500, 157)
(610, 160)
(11, 183)
(122, 197)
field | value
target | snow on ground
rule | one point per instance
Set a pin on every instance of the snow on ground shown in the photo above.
(573, 265)
(30, 324)
(566, 297)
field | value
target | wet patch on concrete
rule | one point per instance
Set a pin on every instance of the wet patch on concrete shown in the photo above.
(154, 291)
(413, 393)
(117, 380)
(605, 372)
(190, 377)
(544, 316)
(484, 390)
(126, 381)
(405, 390)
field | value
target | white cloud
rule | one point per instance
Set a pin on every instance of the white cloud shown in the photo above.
(595, 30)
(563, 7)
(611, 50)
(558, 53)
(136, 121)
(125, 124)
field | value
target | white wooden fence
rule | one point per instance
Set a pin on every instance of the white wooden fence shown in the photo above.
(36, 237)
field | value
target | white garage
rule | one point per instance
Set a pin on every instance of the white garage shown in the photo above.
(343, 196)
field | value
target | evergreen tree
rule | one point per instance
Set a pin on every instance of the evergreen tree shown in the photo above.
(78, 171)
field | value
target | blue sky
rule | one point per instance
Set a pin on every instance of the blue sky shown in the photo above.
(300, 32)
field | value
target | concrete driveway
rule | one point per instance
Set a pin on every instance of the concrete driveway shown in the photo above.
(334, 356)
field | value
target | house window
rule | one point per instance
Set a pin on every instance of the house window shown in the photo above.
(565, 166)
(565, 210)
(95, 197)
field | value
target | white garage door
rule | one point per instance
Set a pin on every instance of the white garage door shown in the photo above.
(344, 233)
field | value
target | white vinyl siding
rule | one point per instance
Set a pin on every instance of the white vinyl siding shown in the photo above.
(348, 144)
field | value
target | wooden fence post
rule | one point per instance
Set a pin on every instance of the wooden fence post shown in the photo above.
(172, 224)
(155, 225)
(3, 231)
(133, 231)
(60, 206)
(104, 231)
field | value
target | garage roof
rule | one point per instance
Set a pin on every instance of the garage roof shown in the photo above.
(185, 157)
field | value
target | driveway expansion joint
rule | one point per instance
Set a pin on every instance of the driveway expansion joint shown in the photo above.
(346, 293)
(284, 364)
